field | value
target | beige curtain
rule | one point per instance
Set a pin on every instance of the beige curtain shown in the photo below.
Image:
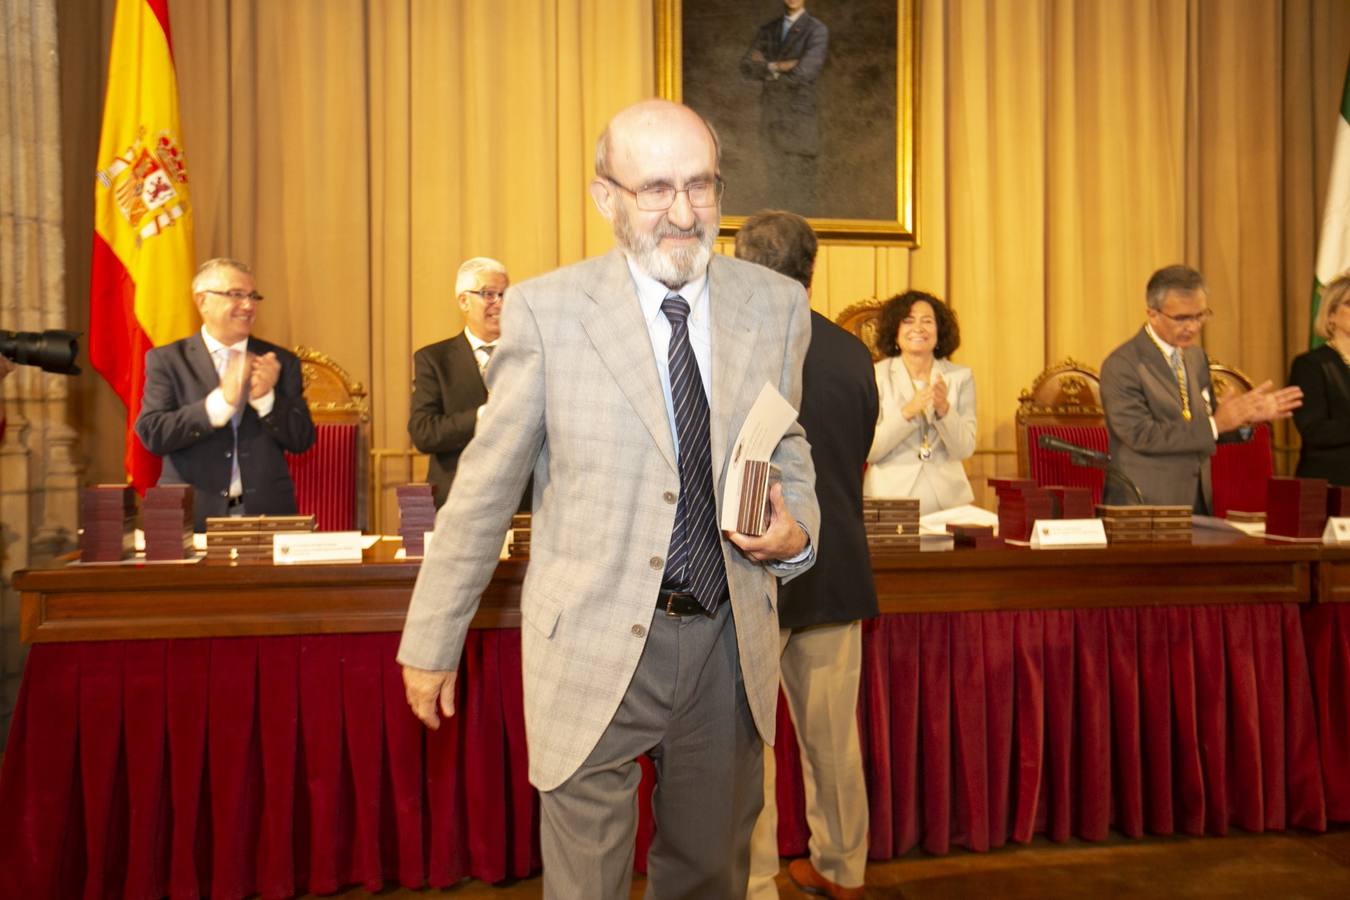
(356, 150)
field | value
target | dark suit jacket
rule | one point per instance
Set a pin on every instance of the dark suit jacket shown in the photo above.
(788, 104)
(447, 391)
(839, 415)
(1324, 418)
(173, 424)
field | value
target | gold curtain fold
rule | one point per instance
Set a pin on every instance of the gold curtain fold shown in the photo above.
(355, 151)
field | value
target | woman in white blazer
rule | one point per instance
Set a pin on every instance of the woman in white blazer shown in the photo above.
(927, 422)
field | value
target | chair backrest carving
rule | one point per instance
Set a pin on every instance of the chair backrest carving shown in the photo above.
(1065, 401)
(860, 319)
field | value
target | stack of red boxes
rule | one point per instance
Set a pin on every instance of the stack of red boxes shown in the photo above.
(976, 537)
(1296, 507)
(108, 522)
(1072, 502)
(1338, 502)
(416, 516)
(1020, 504)
(166, 518)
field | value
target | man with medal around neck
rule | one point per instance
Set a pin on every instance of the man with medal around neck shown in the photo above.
(633, 642)
(1161, 416)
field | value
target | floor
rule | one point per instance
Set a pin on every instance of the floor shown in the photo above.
(1291, 866)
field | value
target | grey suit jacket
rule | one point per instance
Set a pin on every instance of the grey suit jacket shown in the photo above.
(575, 399)
(1162, 453)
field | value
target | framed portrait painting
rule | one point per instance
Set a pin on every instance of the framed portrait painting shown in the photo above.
(814, 104)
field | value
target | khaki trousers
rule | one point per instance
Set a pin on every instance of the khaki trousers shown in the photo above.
(821, 668)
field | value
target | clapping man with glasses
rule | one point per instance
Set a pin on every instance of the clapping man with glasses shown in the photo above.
(222, 407)
(448, 387)
(1161, 414)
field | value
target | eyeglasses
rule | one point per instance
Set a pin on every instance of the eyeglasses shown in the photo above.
(1199, 318)
(489, 294)
(661, 197)
(238, 296)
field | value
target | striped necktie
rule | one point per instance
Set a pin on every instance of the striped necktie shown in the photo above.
(695, 558)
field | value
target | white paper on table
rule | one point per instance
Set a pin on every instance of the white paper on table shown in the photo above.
(764, 427)
(1214, 523)
(937, 522)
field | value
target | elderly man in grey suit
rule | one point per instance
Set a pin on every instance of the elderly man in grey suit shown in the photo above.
(1161, 417)
(620, 383)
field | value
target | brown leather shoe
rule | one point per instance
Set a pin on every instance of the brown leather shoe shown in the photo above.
(805, 877)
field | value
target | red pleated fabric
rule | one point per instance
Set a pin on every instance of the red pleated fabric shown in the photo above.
(1053, 467)
(276, 766)
(325, 477)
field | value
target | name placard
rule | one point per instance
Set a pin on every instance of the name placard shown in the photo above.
(294, 548)
(1046, 533)
(1337, 530)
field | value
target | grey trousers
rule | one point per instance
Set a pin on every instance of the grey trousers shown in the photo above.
(686, 708)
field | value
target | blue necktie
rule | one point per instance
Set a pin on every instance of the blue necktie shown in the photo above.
(695, 558)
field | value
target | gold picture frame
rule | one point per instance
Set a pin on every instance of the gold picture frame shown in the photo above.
(819, 151)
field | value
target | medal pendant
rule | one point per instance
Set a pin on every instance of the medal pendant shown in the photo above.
(925, 453)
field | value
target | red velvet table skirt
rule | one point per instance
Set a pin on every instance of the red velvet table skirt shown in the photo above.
(282, 765)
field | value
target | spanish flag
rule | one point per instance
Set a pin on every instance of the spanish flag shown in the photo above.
(141, 291)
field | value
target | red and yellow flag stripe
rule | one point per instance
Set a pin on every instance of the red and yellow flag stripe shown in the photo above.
(141, 290)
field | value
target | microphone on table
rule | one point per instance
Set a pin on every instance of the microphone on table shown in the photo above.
(1086, 456)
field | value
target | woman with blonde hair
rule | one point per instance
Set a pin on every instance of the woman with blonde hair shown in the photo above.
(1324, 374)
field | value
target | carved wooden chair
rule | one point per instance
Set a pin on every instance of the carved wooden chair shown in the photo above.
(860, 319)
(330, 477)
(1239, 471)
(1064, 402)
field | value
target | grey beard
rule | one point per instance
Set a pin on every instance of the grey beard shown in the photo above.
(673, 269)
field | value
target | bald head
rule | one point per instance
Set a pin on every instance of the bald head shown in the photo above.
(656, 182)
(646, 116)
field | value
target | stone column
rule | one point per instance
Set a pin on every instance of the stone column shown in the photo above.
(39, 467)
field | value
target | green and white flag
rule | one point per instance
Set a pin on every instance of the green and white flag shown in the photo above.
(1333, 253)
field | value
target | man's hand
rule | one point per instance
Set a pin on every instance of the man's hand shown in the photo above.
(426, 690)
(783, 539)
(266, 370)
(786, 65)
(756, 56)
(6, 366)
(234, 383)
(1263, 403)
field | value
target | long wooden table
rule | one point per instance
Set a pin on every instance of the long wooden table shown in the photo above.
(135, 601)
(190, 729)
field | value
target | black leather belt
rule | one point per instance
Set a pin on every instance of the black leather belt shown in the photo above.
(679, 603)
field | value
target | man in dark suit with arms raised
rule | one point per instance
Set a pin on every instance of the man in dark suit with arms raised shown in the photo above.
(223, 407)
